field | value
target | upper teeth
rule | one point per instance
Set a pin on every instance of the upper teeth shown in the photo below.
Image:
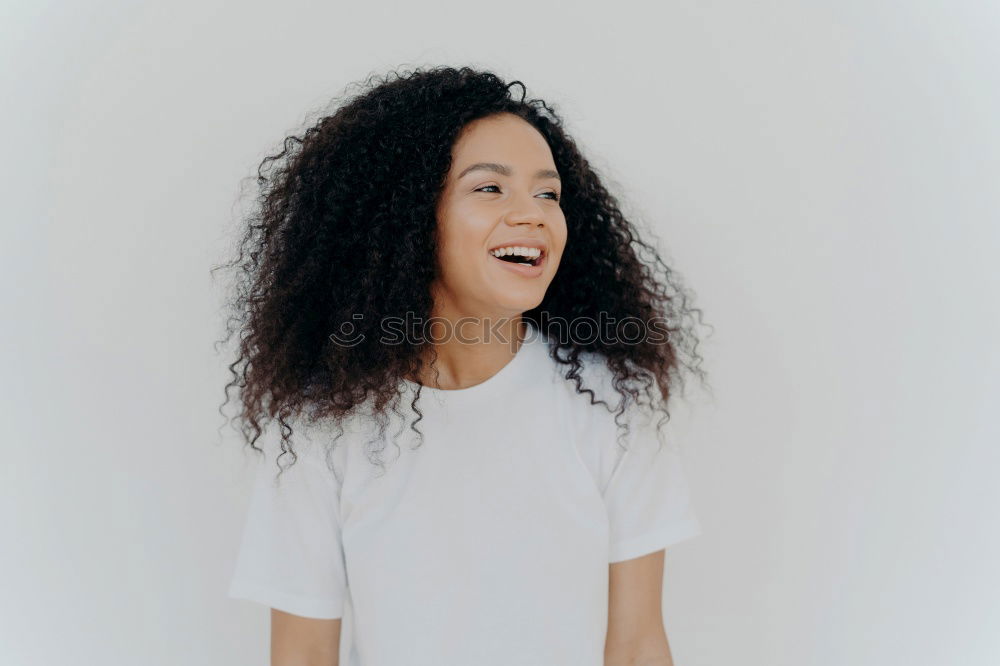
(530, 252)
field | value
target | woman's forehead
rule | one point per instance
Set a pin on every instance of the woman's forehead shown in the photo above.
(506, 140)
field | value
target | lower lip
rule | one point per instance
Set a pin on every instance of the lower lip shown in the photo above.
(522, 269)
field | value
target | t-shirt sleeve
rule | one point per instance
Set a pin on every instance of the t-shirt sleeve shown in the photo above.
(647, 497)
(291, 557)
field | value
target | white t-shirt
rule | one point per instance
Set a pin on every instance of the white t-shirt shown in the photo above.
(487, 544)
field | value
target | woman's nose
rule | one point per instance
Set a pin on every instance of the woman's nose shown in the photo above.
(525, 212)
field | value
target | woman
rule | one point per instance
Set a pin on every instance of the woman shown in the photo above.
(437, 238)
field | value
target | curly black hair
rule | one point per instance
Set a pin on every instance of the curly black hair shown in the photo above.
(345, 221)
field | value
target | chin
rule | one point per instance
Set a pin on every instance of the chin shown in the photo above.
(516, 306)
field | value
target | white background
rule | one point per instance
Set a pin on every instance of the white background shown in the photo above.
(825, 175)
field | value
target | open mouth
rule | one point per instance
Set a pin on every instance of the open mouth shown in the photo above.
(525, 256)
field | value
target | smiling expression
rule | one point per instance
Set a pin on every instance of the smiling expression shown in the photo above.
(501, 199)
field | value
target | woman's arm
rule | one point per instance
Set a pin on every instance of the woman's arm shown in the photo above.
(636, 636)
(304, 641)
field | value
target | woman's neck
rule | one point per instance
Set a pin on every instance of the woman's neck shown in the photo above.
(470, 350)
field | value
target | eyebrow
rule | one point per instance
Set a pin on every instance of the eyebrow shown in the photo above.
(505, 170)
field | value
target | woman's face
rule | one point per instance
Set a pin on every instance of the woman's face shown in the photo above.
(501, 192)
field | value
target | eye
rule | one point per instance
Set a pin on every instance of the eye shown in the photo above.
(555, 195)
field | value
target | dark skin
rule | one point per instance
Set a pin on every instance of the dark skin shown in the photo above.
(480, 209)
(636, 635)
(502, 186)
(304, 641)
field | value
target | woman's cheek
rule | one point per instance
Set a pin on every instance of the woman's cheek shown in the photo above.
(458, 264)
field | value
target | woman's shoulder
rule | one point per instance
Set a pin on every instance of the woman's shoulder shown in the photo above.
(598, 403)
(591, 373)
